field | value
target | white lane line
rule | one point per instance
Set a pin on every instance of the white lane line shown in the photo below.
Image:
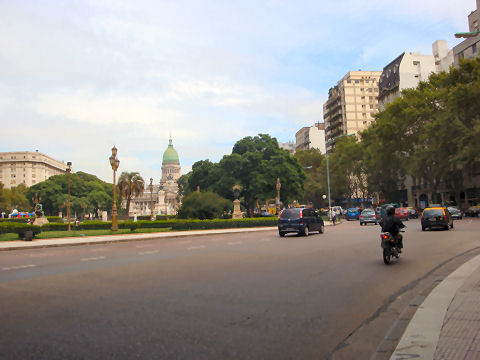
(196, 247)
(183, 242)
(93, 258)
(18, 267)
(144, 246)
(235, 243)
(148, 252)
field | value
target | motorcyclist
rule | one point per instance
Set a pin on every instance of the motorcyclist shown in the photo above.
(392, 224)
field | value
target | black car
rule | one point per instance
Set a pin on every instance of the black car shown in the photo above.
(299, 220)
(438, 217)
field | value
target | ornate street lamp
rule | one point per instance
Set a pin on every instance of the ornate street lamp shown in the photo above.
(69, 170)
(277, 200)
(114, 162)
(151, 199)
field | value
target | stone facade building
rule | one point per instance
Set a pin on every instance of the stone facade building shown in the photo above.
(29, 168)
(469, 48)
(164, 194)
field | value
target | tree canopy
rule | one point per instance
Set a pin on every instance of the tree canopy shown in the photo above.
(85, 190)
(255, 164)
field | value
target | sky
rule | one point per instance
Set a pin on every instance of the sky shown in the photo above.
(79, 76)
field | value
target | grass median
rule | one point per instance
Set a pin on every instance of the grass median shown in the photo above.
(79, 233)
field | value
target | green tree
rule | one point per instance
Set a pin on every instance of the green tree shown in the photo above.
(203, 205)
(255, 164)
(85, 188)
(14, 198)
(315, 167)
(131, 185)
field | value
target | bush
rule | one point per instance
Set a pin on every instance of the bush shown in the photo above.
(55, 219)
(19, 228)
(203, 205)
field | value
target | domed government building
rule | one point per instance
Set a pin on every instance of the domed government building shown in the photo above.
(164, 193)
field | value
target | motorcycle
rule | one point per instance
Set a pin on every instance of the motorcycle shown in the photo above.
(389, 246)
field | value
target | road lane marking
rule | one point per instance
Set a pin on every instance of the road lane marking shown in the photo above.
(235, 243)
(93, 258)
(18, 267)
(183, 242)
(196, 247)
(148, 252)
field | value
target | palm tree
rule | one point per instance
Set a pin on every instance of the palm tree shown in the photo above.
(131, 185)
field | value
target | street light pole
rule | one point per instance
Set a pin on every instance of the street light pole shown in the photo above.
(69, 169)
(151, 199)
(114, 162)
(278, 195)
(328, 189)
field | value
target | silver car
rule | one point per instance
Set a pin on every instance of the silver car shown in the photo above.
(368, 216)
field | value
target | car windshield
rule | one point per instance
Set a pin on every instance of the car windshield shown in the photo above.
(433, 212)
(352, 210)
(453, 210)
(368, 212)
(290, 214)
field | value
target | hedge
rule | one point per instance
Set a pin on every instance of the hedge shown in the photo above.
(20, 229)
(24, 220)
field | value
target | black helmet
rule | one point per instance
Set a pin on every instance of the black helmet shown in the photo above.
(390, 210)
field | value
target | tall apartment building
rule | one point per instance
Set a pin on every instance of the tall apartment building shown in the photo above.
(351, 105)
(405, 72)
(29, 168)
(443, 56)
(469, 48)
(289, 146)
(311, 137)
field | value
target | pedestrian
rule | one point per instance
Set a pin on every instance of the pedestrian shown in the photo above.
(134, 217)
(333, 216)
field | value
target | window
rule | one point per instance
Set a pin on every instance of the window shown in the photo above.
(357, 81)
(416, 63)
(349, 81)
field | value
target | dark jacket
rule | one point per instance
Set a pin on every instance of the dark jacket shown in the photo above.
(391, 224)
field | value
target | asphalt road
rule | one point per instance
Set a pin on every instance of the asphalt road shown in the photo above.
(237, 296)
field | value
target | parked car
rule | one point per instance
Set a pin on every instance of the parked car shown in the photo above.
(456, 212)
(412, 213)
(402, 213)
(352, 214)
(473, 211)
(436, 217)
(378, 212)
(299, 220)
(368, 216)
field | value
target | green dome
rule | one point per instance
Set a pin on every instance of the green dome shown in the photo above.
(170, 155)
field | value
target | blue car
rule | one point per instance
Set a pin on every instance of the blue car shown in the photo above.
(352, 214)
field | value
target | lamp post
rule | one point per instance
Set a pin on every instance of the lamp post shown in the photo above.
(69, 170)
(328, 189)
(151, 199)
(277, 200)
(114, 162)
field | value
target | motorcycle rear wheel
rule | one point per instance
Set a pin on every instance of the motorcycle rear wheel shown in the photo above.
(386, 256)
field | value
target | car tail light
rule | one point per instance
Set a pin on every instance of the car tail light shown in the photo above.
(361, 216)
(441, 218)
(385, 237)
(374, 216)
(301, 214)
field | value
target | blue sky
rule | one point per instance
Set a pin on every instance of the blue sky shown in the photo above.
(77, 77)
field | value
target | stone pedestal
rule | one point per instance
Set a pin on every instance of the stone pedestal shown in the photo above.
(237, 213)
(104, 216)
(40, 221)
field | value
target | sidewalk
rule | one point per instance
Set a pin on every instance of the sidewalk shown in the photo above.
(84, 240)
(447, 323)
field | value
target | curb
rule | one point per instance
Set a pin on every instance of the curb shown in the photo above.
(420, 339)
(105, 239)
